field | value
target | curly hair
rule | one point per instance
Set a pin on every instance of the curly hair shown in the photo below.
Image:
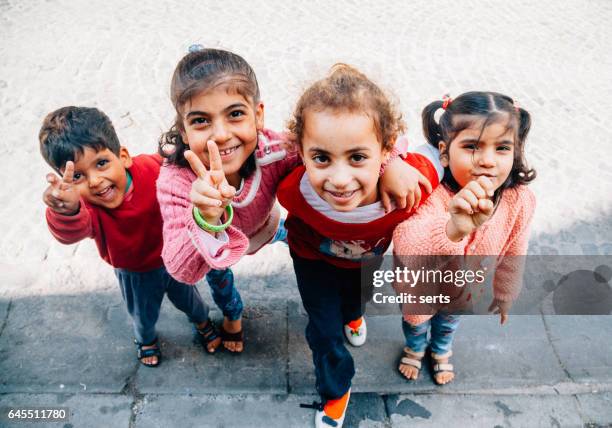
(346, 88)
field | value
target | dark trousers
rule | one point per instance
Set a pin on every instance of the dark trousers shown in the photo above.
(332, 297)
(143, 293)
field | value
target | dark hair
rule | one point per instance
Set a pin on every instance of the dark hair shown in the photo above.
(199, 71)
(69, 130)
(463, 112)
(346, 88)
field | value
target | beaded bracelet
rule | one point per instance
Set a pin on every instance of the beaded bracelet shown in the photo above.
(204, 225)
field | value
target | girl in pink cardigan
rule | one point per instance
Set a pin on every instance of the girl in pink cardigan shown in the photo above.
(482, 208)
(217, 189)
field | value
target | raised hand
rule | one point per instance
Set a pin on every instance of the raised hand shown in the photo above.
(470, 208)
(210, 192)
(62, 195)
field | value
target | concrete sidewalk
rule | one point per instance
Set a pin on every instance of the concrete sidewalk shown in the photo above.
(76, 351)
(65, 338)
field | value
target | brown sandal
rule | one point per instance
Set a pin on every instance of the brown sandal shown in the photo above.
(442, 367)
(412, 359)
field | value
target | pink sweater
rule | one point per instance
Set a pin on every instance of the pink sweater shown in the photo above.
(189, 252)
(506, 233)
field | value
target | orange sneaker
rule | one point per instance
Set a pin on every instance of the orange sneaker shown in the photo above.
(333, 412)
(356, 332)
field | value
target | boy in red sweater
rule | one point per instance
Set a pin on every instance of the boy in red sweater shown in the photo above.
(104, 194)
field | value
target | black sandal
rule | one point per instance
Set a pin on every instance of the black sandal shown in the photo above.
(146, 353)
(232, 337)
(207, 334)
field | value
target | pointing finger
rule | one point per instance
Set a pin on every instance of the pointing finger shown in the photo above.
(196, 164)
(68, 176)
(215, 158)
(216, 165)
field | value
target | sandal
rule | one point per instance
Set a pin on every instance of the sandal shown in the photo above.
(411, 359)
(441, 365)
(207, 335)
(232, 337)
(146, 353)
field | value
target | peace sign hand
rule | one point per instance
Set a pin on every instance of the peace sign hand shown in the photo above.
(470, 208)
(62, 195)
(210, 192)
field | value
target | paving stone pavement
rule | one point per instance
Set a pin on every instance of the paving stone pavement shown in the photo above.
(65, 338)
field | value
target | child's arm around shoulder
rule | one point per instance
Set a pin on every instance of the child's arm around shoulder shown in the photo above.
(189, 252)
(278, 150)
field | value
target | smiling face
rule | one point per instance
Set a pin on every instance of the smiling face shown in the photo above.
(100, 176)
(342, 156)
(227, 118)
(472, 155)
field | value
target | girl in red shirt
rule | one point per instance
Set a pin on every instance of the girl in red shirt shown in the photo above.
(337, 226)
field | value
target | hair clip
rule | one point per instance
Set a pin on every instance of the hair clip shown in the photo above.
(195, 48)
(446, 101)
(516, 106)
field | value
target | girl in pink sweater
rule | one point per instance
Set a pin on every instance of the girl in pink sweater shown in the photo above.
(217, 189)
(483, 208)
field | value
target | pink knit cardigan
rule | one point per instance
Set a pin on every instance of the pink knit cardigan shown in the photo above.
(506, 233)
(187, 252)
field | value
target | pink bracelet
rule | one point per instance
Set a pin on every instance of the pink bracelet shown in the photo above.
(395, 153)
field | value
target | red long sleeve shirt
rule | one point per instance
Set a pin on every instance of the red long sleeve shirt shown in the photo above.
(127, 237)
(313, 235)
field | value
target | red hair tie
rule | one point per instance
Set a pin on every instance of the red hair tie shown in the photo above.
(446, 101)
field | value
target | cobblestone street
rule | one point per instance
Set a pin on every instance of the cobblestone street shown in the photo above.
(555, 58)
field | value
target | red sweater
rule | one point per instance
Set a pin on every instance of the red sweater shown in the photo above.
(129, 236)
(315, 236)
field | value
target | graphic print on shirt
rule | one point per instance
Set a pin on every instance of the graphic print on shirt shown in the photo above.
(352, 250)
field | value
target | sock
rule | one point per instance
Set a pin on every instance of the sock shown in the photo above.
(354, 325)
(335, 408)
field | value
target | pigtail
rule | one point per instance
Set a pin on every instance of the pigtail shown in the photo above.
(172, 147)
(521, 173)
(431, 128)
(524, 124)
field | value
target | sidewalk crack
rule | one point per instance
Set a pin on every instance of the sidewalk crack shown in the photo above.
(138, 399)
(5, 320)
(554, 348)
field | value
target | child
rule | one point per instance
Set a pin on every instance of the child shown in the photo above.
(218, 151)
(483, 208)
(105, 194)
(345, 126)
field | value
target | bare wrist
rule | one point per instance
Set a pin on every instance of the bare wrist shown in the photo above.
(454, 234)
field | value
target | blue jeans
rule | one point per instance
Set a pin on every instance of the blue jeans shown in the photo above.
(224, 293)
(443, 327)
(143, 293)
